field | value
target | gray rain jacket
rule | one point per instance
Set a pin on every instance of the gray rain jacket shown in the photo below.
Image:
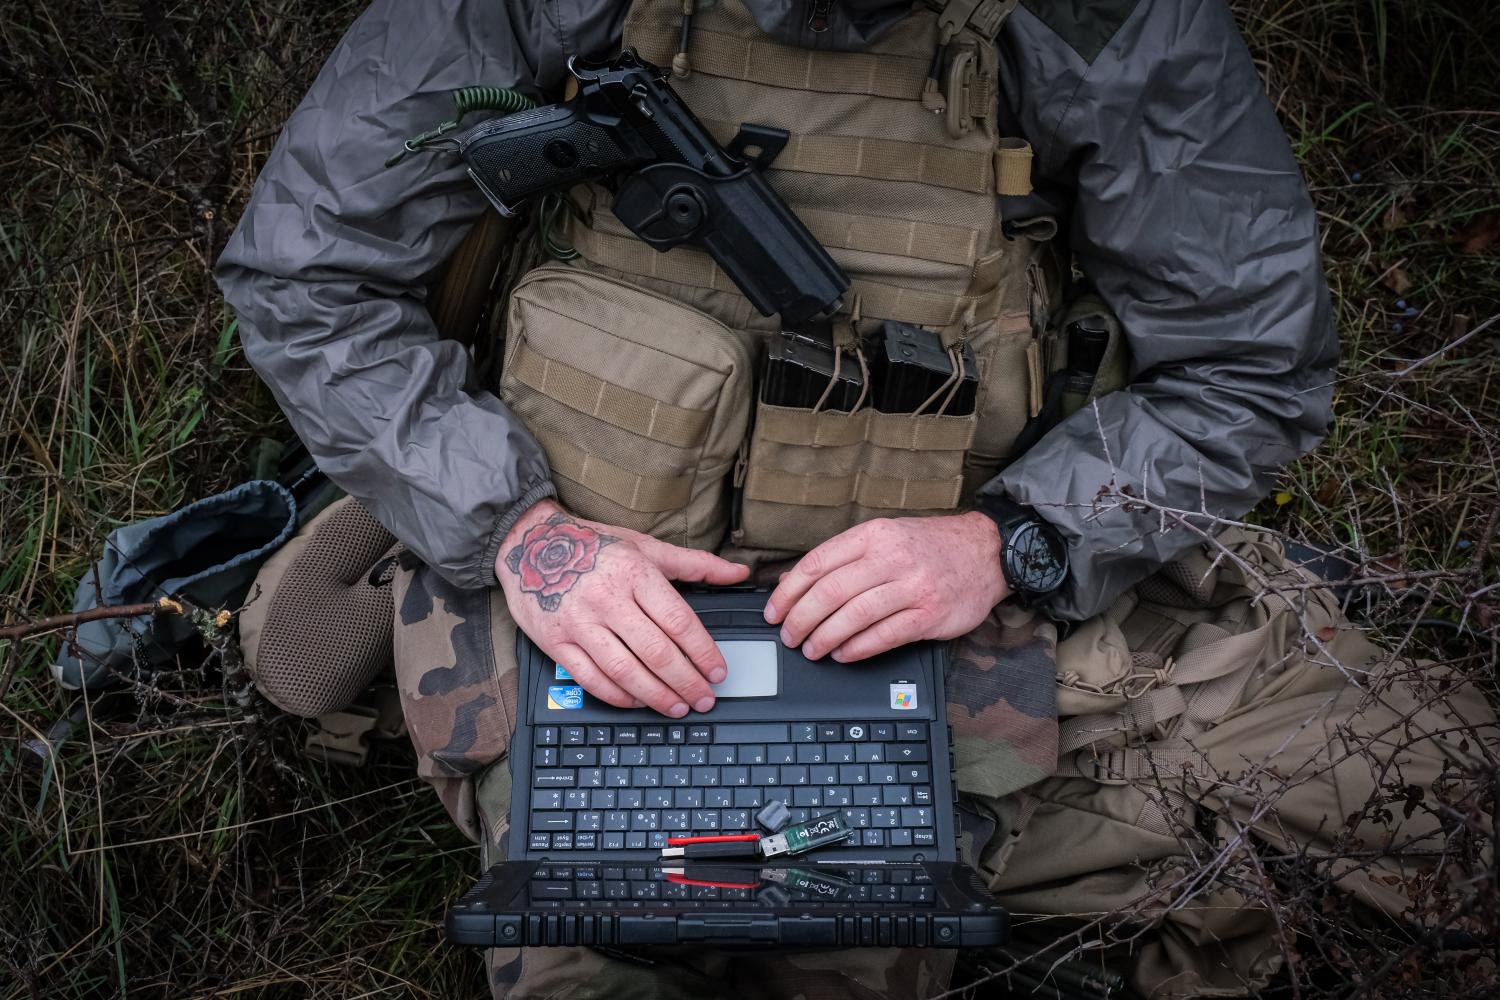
(1155, 145)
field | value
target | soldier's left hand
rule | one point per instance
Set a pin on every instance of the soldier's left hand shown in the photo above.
(888, 582)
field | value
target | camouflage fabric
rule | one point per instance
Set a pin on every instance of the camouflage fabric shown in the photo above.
(456, 669)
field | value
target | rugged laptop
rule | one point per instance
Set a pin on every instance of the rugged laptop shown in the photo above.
(601, 792)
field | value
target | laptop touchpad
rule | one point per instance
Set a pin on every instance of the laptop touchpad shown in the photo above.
(754, 669)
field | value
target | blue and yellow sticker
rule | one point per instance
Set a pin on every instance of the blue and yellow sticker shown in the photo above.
(564, 696)
(562, 672)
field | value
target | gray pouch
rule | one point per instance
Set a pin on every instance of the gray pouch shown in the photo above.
(207, 553)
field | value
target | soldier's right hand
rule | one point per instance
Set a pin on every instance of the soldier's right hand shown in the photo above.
(596, 599)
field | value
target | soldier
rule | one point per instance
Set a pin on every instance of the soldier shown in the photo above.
(1155, 166)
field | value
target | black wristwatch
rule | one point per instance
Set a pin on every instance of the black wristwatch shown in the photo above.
(1033, 556)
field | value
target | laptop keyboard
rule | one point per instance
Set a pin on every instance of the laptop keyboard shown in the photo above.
(614, 788)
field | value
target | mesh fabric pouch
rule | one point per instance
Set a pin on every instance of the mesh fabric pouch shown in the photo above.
(640, 402)
(811, 474)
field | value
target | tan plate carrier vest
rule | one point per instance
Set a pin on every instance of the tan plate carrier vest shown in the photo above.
(636, 370)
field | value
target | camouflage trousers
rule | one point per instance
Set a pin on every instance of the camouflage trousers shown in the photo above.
(1303, 760)
(457, 671)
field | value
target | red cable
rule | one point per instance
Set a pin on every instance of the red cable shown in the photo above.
(721, 838)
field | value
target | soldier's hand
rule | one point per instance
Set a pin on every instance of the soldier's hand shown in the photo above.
(596, 599)
(888, 582)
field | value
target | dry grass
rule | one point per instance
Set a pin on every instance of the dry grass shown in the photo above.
(180, 846)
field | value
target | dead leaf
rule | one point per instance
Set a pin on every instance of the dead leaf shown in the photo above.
(1397, 280)
(1480, 234)
(1395, 216)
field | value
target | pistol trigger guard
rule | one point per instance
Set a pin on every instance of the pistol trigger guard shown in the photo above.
(767, 142)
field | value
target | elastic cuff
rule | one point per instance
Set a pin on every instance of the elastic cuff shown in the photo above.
(534, 494)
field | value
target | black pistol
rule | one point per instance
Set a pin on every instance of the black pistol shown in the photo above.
(673, 182)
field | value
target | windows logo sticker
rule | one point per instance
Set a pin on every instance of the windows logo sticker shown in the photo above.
(904, 696)
(564, 696)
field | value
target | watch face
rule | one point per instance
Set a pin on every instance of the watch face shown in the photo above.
(1036, 558)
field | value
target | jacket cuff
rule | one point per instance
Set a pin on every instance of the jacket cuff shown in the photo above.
(537, 492)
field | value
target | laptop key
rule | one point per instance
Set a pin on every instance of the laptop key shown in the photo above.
(576, 798)
(635, 841)
(645, 819)
(700, 733)
(921, 796)
(539, 841)
(687, 798)
(676, 819)
(646, 777)
(551, 821)
(591, 777)
(613, 842)
(781, 753)
(808, 795)
(705, 777)
(923, 838)
(916, 816)
(882, 774)
(870, 753)
(579, 757)
(830, 732)
(676, 777)
(856, 731)
(900, 838)
(916, 774)
(693, 755)
(617, 819)
(883, 731)
(766, 775)
(720, 754)
(658, 798)
(839, 753)
(591, 819)
(551, 890)
(662, 755)
(804, 732)
(752, 753)
(823, 774)
(749, 797)
(910, 753)
(602, 798)
(609, 756)
(718, 798)
(866, 795)
(794, 774)
(885, 816)
(809, 753)
(896, 795)
(546, 736)
(627, 735)
(562, 841)
(544, 757)
(653, 734)
(872, 838)
(617, 777)
(854, 774)
(585, 841)
(657, 840)
(836, 795)
(564, 777)
(706, 819)
(633, 756)
(907, 731)
(546, 798)
(599, 735)
(677, 734)
(574, 736)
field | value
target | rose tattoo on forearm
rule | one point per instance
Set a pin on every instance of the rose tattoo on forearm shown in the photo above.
(553, 555)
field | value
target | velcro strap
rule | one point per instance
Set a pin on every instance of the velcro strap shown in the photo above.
(866, 490)
(644, 494)
(837, 429)
(613, 404)
(1013, 168)
(879, 159)
(758, 60)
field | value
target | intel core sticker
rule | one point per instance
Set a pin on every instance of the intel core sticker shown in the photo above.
(904, 697)
(564, 696)
(562, 673)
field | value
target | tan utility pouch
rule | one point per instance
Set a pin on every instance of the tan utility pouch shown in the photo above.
(640, 402)
(812, 473)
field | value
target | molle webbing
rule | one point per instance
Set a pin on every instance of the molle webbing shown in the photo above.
(685, 266)
(861, 168)
(863, 489)
(641, 493)
(613, 404)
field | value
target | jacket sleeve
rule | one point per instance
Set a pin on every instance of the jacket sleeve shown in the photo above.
(328, 272)
(1190, 218)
